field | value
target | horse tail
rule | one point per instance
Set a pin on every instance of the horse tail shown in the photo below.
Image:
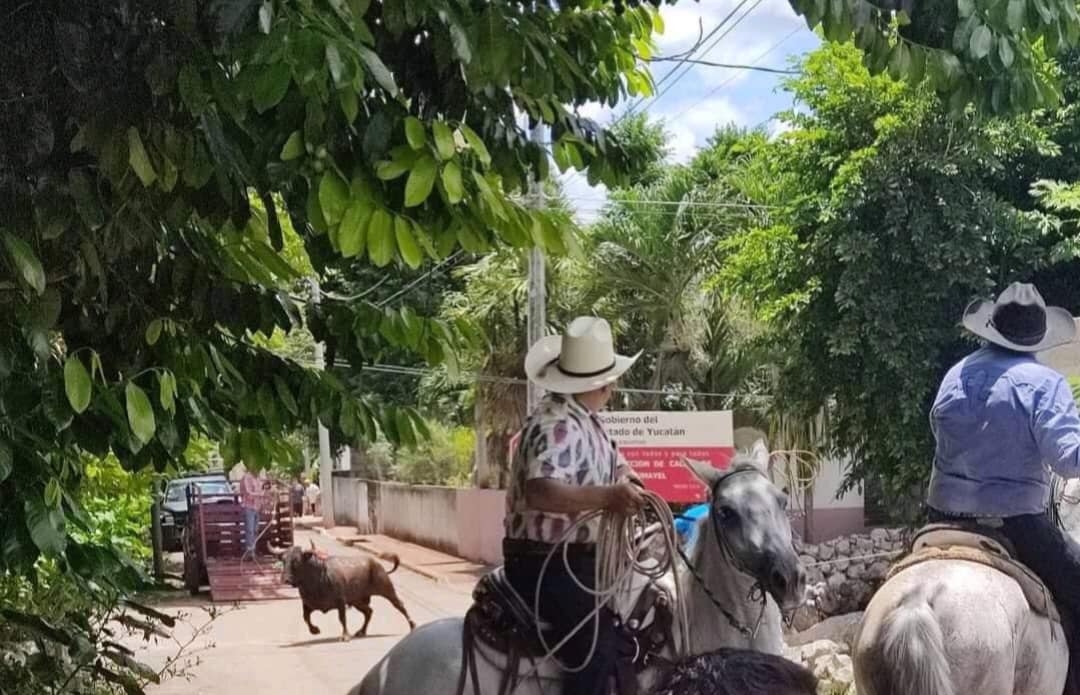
(913, 650)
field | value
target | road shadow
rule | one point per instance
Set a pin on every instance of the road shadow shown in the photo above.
(333, 640)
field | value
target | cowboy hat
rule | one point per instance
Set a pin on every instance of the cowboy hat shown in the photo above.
(1020, 320)
(581, 360)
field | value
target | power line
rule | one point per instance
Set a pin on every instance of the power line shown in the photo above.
(403, 370)
(687, 68)
(697, 47)
(408, 288)
(730, 79)
(678, 203)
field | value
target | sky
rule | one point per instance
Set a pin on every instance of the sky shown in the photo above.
(769, 34)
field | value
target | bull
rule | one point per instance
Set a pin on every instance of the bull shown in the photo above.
(327, 583)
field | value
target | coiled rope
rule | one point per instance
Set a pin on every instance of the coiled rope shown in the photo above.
(622, 540)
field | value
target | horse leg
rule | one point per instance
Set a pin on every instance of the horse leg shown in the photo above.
(364, 606)
(307, 619)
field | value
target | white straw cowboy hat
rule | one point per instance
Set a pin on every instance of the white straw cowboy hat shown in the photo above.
(1020, 320)
(581, 360)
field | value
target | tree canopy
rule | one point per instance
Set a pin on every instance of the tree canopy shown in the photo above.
(991, 53)
(175, 151)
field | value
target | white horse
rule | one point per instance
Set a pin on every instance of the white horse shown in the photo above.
(744, 542)
(953, 627)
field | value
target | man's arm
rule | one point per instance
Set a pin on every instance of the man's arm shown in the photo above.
(547, 495)
(1057, 430)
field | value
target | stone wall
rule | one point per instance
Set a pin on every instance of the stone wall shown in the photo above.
(842, 574)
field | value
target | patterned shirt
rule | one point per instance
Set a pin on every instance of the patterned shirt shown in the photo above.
(1002, 421)
(562, 441)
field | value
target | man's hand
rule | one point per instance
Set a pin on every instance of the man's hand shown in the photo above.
(625, 498)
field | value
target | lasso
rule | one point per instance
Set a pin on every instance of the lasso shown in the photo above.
(621, 542)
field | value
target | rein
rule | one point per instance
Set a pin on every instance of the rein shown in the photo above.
(757, 592)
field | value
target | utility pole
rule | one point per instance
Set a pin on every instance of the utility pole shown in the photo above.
(537, 307)
(326, 462)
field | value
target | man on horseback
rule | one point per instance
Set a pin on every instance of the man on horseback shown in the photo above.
(566, 466)
(1002, 421)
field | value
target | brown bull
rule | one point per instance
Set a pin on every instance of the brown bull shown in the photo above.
(328, 583)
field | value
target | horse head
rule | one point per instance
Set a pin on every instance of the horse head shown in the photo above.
(749, 521)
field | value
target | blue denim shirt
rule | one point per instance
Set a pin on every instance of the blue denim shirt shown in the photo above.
(1001, 420)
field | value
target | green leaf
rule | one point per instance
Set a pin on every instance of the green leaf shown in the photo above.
(982, 41)
(271, 86)
(381, 238)
(336, 65)
(138, 159)
(350, 104)
(266, 16)
(285, 395)
(476, 144)
(421, 180)
(7, 461)
(153, 331)
(294, 147)
(415, 133)
(333, 197)
(53, 494)
(1015, 14)
(451, 180)
(26, 262)
(378, 70)
(167, 391)
(44, 525)
(390, 170)
(406, 242)
(140, 413)
(1005, 52)
(77, 384)
(353, 228)
(966, 8)
(444, 140)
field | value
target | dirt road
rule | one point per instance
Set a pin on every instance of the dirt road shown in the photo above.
(264, 648)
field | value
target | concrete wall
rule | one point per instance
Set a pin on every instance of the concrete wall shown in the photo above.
(463, 522)
(421, 514)
(832, 516)
(480, 524)
(351, 503)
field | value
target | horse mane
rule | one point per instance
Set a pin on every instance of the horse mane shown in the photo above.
(737, 672)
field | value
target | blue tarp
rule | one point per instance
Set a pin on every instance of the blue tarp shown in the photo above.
(686, 522)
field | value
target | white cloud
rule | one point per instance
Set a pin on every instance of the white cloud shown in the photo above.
(692, 130)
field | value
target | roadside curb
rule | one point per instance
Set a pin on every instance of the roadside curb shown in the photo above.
(374, 552)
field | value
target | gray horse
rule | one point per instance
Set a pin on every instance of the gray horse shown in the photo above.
(743, 543)
(949, 627)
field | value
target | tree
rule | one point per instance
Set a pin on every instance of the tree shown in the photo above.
(990, 53)
(139, 283)
(888, 217)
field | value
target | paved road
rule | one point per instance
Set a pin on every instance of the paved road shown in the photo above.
(265, 649)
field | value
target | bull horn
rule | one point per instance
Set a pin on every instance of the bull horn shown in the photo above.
(312, 541)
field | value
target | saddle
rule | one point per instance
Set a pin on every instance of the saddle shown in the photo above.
(501, 620)
(974, 541)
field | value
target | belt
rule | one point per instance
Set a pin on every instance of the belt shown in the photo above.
(523, 547)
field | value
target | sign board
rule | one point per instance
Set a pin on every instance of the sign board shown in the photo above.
(653, 442)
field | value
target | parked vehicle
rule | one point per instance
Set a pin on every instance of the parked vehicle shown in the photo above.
(174, 505)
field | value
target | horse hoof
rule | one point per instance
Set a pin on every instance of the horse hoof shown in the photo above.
(313, 630)
(412, 626)
(345, 638)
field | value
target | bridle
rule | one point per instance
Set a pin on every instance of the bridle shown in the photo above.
(757, 591)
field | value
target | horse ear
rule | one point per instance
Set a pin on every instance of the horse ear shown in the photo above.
(759, 456)
(703, 472)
